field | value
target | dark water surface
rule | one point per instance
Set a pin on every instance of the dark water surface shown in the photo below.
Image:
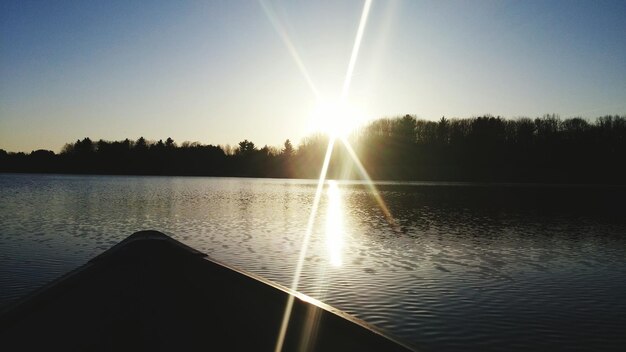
(466, 266)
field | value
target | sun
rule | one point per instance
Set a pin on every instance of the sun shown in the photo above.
(335, 118)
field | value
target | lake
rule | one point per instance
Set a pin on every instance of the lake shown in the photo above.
(455, 267)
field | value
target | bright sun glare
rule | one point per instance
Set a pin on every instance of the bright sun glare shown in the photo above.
(335, 118)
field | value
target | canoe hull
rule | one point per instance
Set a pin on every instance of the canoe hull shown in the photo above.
(151, 292)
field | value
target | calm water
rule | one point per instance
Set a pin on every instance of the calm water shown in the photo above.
(465, 266)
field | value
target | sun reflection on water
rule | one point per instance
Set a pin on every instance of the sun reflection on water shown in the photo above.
(334, 230)
(334, 224)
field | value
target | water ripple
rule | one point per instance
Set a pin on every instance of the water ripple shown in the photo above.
(484, 268)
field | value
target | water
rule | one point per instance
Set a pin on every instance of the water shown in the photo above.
(463, 266)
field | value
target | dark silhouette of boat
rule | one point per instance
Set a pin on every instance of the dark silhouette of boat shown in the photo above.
(151, 292)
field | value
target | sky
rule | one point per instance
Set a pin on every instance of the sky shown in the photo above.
(220, 72)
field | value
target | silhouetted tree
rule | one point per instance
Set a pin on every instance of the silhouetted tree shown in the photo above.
(288, 150)
(485, 148)
(141, 145)
(246, 148)
(85, 146)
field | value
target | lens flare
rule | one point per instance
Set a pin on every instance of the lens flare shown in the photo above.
(288, 43)
(305, 243)
(355, 49)
(335, 242)
(363, 173)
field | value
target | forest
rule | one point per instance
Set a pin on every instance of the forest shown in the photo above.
(483, 149)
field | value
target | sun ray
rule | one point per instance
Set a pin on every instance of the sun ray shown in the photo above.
(355, 49)
(331, 143)
(304, 246)
(364, 174)
(344, 96)
(292, 49)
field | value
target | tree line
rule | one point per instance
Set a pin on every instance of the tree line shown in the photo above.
(488, 148)
(485, 148)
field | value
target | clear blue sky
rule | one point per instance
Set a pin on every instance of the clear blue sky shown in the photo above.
(218, 72)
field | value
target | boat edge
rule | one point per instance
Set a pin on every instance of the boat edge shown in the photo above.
(37, 297)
